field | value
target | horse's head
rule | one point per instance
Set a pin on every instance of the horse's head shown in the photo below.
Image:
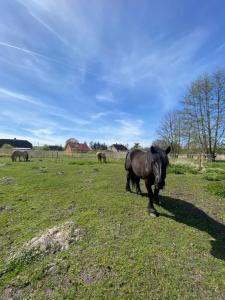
(159, 163)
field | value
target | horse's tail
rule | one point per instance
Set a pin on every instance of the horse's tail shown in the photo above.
(134, 179)
(26, 155)
(127, 164)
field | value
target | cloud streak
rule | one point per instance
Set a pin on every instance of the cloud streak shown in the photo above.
(103, 71)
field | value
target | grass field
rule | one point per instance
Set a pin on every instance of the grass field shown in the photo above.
(122, 253)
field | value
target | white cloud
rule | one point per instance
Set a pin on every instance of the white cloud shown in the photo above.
(11, 95)
(105, 97)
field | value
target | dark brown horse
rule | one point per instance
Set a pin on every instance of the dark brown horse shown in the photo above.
(150, 166)
(17, 153)
(101, 157)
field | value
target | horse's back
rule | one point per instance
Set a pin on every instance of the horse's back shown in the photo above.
(16, 153)
(136, 162)
(131, 156)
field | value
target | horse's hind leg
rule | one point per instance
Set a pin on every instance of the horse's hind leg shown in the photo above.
(156, 196)
(138, 189)
(128, 182)
(150, 207)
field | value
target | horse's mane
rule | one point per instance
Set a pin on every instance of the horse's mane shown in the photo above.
(158, 154)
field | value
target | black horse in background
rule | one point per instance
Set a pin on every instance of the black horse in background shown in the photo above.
(18, 153)
(101, 157)
(150, 166)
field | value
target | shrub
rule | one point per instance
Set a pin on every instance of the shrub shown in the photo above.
(217, 189)
(6, 146)
(214, 177)
(215, 170)
(83, 162)
(181, 169)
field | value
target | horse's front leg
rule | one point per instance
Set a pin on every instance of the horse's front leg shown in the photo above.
(156, 196)
(127, 188)
(150, 207)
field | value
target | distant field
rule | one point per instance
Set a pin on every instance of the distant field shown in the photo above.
(119, 252)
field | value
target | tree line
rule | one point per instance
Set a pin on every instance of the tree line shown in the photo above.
(199, 125)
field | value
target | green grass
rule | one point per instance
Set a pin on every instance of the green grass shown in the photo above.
(214, 177)
(181, 169)
(217, 189)
(125, 254)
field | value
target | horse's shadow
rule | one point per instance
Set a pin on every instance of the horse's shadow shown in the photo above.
(186, 213)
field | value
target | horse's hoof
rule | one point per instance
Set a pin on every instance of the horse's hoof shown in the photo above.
(153, 214)
(128, 191)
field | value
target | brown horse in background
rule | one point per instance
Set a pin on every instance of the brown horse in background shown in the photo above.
(150, 166)
(101, 157)
(18, 153)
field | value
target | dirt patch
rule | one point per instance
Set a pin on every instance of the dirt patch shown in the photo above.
(7, 180)
(2, 208)
(93, 275)
(64, 212)
(43, 169)
(58, 173)
(53, 240)
(22, 198)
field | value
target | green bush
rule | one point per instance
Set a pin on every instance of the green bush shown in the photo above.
(83, 162)
(181, 169)
(216, 165)
(217, 189)
(215, 170)
(6, 146)
(214, 177)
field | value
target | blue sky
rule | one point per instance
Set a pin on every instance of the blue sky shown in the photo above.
(101, 70)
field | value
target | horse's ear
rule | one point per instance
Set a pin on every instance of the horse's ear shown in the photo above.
(168, 150)
(152, 149)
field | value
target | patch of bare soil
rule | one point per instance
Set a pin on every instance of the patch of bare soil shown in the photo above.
(7, 180)
(53, 240)
(43, 169)
(93, 275)
(58, 173)
(2, 208)
(64, 212)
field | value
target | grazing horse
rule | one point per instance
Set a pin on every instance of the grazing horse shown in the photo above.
(17, 153)
(150, 166)
(101, 157)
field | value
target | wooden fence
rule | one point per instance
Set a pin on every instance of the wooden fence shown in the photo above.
(92, 155)
(62, 155)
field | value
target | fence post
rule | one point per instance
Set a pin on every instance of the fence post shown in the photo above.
(200, 162)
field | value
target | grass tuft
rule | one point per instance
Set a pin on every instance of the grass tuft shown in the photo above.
(181, 169)
(214, 177)
(217, 189)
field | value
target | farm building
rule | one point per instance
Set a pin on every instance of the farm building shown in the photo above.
(18, 144)
(76, 147)
(118, 148)
(55, 148)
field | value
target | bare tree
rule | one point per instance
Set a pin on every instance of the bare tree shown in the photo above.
(71, 140)
(200, 124)
(170, 131)
(204, 111)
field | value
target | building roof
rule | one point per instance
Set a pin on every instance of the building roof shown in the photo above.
(119, 147)
(79, 147)
(16, 143)
(55, 148)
